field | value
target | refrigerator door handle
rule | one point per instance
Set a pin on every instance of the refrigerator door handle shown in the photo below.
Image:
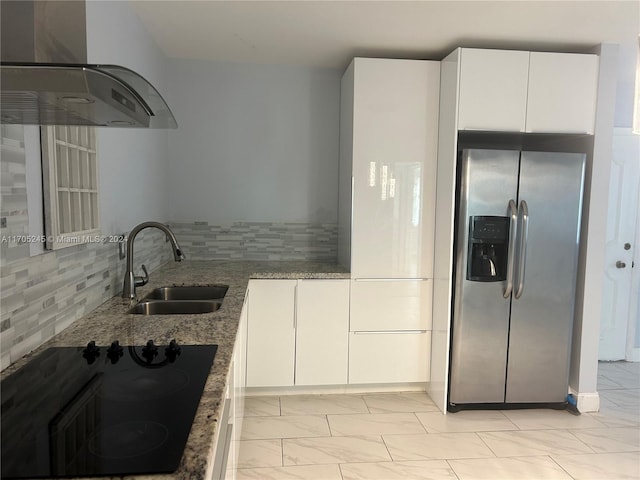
(523, 213)
(513, 222)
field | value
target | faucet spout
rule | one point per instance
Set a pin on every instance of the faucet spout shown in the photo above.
(130, 280)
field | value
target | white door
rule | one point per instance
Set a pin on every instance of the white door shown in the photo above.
(617, 316)
(633, 336)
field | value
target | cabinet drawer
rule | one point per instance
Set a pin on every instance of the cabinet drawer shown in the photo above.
(389, 357)
(390, 305)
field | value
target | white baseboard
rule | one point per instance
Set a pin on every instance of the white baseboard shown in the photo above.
(633, 355)
(587, 402)
(336, 389)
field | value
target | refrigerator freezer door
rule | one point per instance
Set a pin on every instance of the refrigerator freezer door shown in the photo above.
(481, 313)
(551, 184)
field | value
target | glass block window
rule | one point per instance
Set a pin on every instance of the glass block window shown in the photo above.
(70, 185)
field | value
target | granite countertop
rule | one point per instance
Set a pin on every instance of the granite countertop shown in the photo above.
(110, 321)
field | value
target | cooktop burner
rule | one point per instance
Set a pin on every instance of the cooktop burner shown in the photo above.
(99, 410)
(128, 439)
(137, 385)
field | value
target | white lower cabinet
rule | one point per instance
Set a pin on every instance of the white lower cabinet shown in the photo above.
(390, 325)
(389, 357)
(322, 319)
(390, 305)
(240, 362)
(271, 333)
(239, 380)
(224, 458)
(297, 332)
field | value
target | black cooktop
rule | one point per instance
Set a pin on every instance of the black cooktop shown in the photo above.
(97, 410)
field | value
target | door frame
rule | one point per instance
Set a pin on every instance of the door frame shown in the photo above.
(633, 351)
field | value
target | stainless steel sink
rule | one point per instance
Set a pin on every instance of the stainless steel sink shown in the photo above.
(185, 292)
(175, 307)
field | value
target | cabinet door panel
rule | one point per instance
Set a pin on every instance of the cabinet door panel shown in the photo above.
(395, 115)
(240, 362)
(562, 92)
(389, 357)
(493, 90)
(322, 332)
(270, 333)
(390, 305)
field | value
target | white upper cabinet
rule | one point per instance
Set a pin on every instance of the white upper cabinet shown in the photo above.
(493, 90)
(390, 141)
(563, 88)
(533, 92)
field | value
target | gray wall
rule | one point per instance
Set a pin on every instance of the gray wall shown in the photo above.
(256, 143)
(133, 162)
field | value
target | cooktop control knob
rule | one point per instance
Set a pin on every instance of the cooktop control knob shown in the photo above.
(91, 352)
(114, 352)
(150, 351)
(172, 351)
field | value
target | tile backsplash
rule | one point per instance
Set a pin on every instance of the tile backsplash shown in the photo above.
(43, 294)
(258, 241)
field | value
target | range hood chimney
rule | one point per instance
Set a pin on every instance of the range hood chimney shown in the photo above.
(45, 78)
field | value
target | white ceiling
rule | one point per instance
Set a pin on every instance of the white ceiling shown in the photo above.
(329, 33)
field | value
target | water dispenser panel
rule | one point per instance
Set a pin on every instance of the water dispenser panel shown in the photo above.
(488, 248)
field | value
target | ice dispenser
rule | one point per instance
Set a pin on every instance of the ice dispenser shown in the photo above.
(488, 248)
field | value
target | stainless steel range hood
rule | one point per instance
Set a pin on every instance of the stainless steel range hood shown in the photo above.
(44, 78)
(70, 94)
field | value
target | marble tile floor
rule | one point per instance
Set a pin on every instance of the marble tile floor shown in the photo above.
(403, 436)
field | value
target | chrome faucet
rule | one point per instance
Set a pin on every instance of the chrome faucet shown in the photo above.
(132, 281)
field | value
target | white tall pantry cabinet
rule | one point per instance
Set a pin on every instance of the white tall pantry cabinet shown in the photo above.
(391, 128)
(388, 147)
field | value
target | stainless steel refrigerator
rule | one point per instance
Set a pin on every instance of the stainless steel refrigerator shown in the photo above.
(517, 239)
